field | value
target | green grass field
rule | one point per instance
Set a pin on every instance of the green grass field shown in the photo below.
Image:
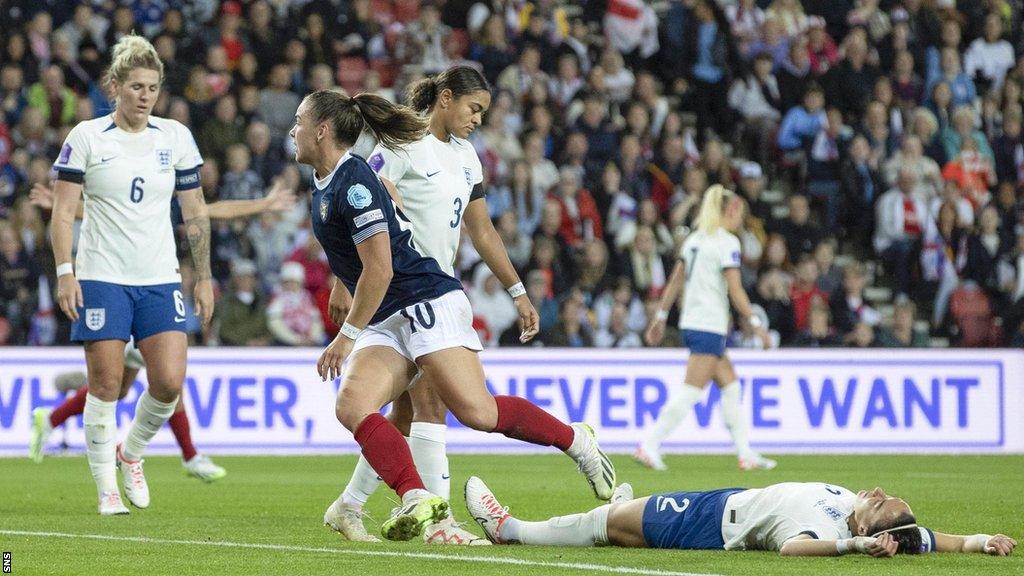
(265, 517)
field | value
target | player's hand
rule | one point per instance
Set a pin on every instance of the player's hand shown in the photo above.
(41, 196)
(279, 198)
(655, 333)
(329, 365)
(69, 295)
(203, 295)
(762, 335)
(999, 545)
(882, 547)
(529, 320)
(340, 303)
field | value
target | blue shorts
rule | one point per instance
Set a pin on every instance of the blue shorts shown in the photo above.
(118, 312)
(686, 520)
(700, 342)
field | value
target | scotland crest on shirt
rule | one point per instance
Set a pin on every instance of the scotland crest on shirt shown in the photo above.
(469, 176)
(95, 318)
(324, 204)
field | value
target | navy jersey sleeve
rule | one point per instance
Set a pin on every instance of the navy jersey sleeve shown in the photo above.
(362, 205)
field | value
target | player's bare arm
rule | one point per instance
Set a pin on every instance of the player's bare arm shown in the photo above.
(197, 230)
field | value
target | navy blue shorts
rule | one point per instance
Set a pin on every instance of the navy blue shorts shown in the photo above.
(686, 520)
(700, 342)
(118, 312)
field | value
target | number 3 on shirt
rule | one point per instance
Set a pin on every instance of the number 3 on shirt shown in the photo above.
(458, 214)
(424, 315)
(136, 194)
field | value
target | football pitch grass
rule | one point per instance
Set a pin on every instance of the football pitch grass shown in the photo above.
(266, 517)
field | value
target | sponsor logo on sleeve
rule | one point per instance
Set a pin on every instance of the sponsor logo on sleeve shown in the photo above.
(359, 196)
(366, 218)
(376, 162)
(65, 154)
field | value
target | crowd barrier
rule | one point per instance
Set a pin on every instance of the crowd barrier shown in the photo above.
(270, 400)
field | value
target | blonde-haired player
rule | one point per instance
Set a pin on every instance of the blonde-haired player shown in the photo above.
(125, 282)
(708, 266)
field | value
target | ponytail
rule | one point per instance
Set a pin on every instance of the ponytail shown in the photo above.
(461, 80)
(716, 199)
(392, 125)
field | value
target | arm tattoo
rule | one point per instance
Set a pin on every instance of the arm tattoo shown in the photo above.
(197, 230)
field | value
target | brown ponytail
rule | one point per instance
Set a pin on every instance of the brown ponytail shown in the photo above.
(392, 125)
(461, 80)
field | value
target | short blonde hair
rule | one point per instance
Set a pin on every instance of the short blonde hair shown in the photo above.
(131, 52)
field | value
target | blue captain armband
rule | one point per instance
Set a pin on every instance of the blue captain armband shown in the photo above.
(186, 179)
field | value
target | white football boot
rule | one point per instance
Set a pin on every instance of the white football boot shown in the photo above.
(347, 520)
(754, 461)
(592, 462)
(486, 510)
(448, 531)
(111, 504)
(41, 430)
(649, 457)
(135, 487)
(203, 468)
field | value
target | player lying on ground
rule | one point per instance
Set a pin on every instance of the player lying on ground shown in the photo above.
(45, 420)
(792, 518)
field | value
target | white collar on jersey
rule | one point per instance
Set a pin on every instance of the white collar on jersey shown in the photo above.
(322, 183)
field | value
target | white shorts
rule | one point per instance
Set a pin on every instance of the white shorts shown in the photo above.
(438, 324)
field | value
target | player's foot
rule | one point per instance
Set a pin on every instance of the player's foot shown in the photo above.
(448, 531)
(111, 504)
(649, 457)
(417, 511)
(623, 493)
(347, 520)
(135, 487)
(486, 510)
(203, 468)
(754, 461)
(592, 461)
(40, 432)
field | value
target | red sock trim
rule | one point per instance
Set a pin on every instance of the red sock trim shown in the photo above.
(522, 420)
(71, 407)
(388, 453)
(183, 434)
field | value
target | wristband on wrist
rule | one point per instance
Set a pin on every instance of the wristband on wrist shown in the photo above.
(979, 540)
(842, 546)
(755, 321)
(516, 290)
(662, 315)
(350, 331)
(65, 268)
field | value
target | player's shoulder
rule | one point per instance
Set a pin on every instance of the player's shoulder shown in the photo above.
(355, 174)
(168, 125)
(464, 147)
(93, 127)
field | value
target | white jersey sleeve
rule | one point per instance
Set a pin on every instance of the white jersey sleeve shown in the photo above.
(729, 251)
(389, 164)
(188, 156)
(74, 154)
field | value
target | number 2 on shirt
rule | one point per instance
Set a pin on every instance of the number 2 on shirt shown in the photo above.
(458, 214)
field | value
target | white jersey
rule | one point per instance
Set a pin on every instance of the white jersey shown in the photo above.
(128, 180)
(435, 180)
(705, 295)
(764, 518)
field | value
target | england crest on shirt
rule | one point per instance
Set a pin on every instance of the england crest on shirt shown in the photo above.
(163, 158)
(95, 318)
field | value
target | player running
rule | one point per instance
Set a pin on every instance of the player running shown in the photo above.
(406, 313)
(438, 180)
(125, 282)
(45, 420)
(709, 266)
(792, 518)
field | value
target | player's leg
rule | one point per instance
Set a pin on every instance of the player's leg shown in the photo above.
(618, 524)
(373, 377)
(364, 481)
(700, 368)
(104, 361)
(458, 378)
(44, 420)
(729, 385)
(197, 465)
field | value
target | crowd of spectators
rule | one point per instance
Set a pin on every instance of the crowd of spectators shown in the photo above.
(878, 144)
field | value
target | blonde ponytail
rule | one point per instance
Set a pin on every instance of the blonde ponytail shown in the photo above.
(716, 198)
(131, 52)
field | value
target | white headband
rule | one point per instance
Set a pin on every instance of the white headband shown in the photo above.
(905, 526)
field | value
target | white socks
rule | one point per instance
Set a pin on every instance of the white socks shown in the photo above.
(590, 529)
(681, 400)
(733, 419)
(429, 453)
(150, 415)
(100, 445)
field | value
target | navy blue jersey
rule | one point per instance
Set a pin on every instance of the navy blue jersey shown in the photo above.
(354, 206)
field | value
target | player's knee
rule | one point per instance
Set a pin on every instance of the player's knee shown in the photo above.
(482, 418)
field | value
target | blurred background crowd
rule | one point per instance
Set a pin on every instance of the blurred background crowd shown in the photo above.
(877, 142)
